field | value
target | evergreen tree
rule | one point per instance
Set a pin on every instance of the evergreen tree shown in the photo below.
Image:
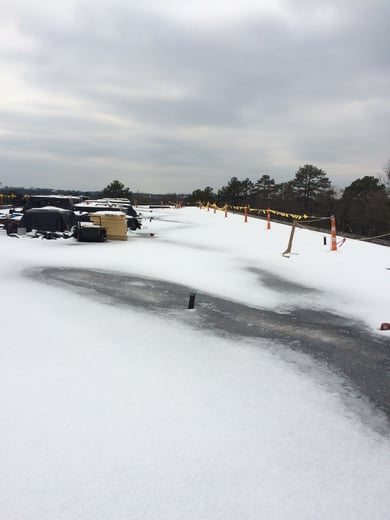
(204, 196)
(116, 190)
(363, 189)
(284, 197)
(365, 207)
(310, 184)
(236, 193)
(264, 190)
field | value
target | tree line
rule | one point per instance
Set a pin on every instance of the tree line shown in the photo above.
(362, 208)
(17, 196)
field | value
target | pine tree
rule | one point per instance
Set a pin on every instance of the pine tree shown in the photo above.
(310, 184)
(116, 190)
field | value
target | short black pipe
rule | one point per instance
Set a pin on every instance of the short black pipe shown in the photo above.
(191, 301)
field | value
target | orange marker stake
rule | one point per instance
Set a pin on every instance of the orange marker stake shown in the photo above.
(333, 245)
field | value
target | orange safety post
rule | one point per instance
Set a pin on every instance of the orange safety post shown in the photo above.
(226, 208)
(246, 214)
(268, 219)
(333, 246)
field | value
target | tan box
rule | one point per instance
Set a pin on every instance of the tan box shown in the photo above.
(114, 222)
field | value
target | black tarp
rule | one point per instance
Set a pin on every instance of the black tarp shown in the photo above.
(48, 219)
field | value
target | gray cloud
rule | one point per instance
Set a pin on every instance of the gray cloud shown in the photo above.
(167, 104)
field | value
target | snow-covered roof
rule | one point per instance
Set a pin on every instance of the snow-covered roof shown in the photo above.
(111, 411)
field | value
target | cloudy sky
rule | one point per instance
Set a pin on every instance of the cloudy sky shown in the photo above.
(175, 95)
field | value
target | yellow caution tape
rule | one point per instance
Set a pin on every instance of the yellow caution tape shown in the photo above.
(259, 211)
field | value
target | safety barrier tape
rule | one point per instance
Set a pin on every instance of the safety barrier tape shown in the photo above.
(261, 211)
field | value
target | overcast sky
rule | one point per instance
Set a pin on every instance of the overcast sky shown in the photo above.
(175, 95)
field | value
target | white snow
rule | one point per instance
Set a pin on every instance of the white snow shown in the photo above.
(110, 213)
(110, 412)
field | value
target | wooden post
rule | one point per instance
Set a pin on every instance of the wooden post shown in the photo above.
(268, 219)
(290, 241)
(246, 214)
